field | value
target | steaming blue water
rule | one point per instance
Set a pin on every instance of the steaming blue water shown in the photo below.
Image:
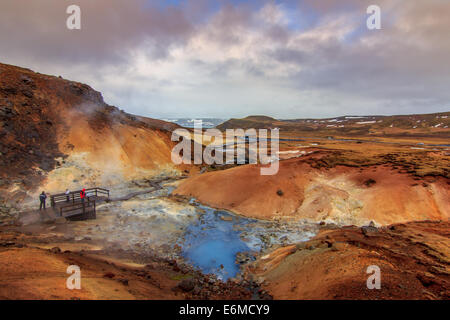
(211, 244)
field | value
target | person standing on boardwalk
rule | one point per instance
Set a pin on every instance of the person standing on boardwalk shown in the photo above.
(67, 195)
(83, 195)
(42, 198)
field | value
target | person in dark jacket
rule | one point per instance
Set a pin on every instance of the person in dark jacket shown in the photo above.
(83, 195)
(42, 198)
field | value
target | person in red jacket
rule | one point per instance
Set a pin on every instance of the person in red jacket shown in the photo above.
(83, 195)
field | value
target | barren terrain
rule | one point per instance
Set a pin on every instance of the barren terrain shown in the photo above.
(413, 259)
(350, 192)
(308, 187)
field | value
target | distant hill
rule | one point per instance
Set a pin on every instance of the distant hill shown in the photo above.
(260, 118)
(416, 124)
(248, 122)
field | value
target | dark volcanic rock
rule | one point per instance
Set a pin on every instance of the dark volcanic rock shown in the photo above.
(187, 285)
(55, 250)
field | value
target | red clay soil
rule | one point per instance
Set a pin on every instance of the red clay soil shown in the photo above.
(40, 274)
(413, 258)
(345, 195)
(243, 190)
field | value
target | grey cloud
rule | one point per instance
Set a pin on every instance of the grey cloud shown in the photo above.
(405, 65)
(110, 28)
(400, 69)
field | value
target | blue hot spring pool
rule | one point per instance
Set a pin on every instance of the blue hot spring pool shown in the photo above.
(211, 244)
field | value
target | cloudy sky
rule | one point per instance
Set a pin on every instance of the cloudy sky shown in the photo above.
(200, 58)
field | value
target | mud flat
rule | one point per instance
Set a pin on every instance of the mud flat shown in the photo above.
(158, 224)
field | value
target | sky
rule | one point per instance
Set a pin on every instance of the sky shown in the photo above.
(234, 58)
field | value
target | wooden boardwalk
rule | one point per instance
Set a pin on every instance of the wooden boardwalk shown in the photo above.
(72, 207)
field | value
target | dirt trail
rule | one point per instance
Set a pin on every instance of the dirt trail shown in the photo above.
(155, 186)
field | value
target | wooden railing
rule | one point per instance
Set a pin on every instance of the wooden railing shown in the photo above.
(74, 196)
(81, 208)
